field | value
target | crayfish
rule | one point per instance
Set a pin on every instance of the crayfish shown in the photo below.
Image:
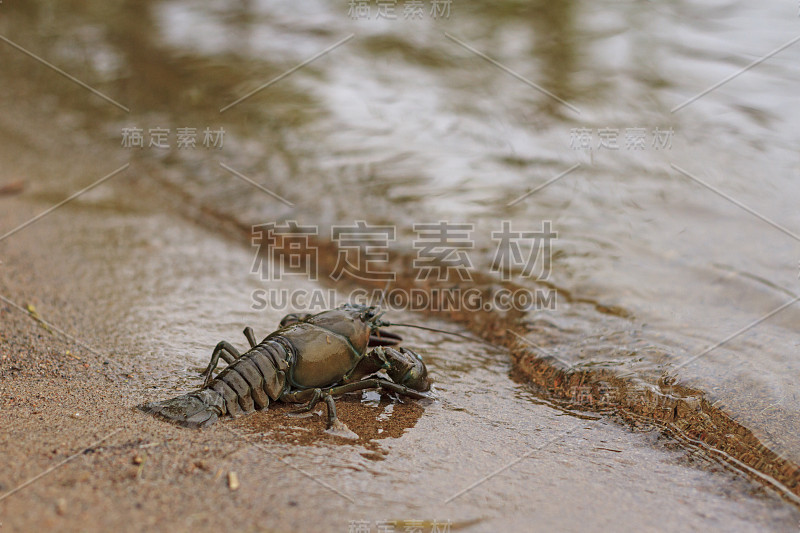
(310, 358)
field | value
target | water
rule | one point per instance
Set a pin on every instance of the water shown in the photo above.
(402, 124)
(424, 130)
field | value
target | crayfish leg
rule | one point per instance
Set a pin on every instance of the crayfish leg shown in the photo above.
(299, 397)
(229, 354)
(250, 336)
(316, 396)
(378, 383)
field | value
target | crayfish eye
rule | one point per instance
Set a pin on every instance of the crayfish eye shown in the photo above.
(368, 314)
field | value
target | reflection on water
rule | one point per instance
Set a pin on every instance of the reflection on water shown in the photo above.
(553, 30)
(403, 125)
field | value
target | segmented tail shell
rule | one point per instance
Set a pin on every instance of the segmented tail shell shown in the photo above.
(248, 383)
(193, 410)
(254, 379)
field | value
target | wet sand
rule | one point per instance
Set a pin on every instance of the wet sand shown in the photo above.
(150, 294)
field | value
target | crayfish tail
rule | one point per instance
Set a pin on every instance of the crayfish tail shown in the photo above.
(193, 410)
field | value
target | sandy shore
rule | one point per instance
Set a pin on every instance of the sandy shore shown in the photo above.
(59, 396)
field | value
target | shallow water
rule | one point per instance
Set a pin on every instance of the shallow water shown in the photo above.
(425, 130)
(402, 124)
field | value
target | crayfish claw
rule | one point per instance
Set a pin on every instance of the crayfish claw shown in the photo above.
(407, 368)
(382, 337)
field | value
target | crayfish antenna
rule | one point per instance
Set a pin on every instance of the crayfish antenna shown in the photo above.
(468, 337)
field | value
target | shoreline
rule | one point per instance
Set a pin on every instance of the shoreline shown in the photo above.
(58, 398)
(136, 275)
(675, 409)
